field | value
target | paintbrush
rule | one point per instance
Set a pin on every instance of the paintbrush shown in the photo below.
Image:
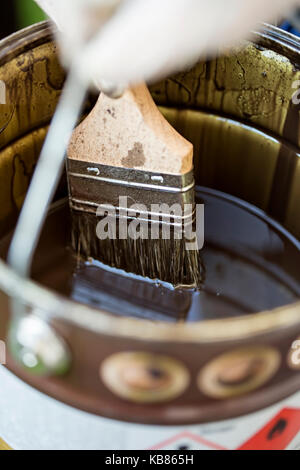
(131, 190)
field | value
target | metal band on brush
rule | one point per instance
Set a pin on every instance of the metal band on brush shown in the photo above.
(131, 177)
(143, 188)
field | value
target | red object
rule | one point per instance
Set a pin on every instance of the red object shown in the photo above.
(190, 437)
(277, 434)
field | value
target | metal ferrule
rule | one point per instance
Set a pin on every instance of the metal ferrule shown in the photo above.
(95, 186)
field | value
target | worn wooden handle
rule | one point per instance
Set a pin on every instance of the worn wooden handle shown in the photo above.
(130, 132)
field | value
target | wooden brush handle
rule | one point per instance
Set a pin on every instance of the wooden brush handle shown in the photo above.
(130, 132)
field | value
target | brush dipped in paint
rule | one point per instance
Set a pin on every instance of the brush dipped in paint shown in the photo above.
(131, 189)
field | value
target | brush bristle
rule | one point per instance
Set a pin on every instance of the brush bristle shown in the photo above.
(165, 260)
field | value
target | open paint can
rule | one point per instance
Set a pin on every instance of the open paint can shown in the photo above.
(116, 378)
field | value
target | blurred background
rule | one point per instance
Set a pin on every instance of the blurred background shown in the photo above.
(17, 14)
